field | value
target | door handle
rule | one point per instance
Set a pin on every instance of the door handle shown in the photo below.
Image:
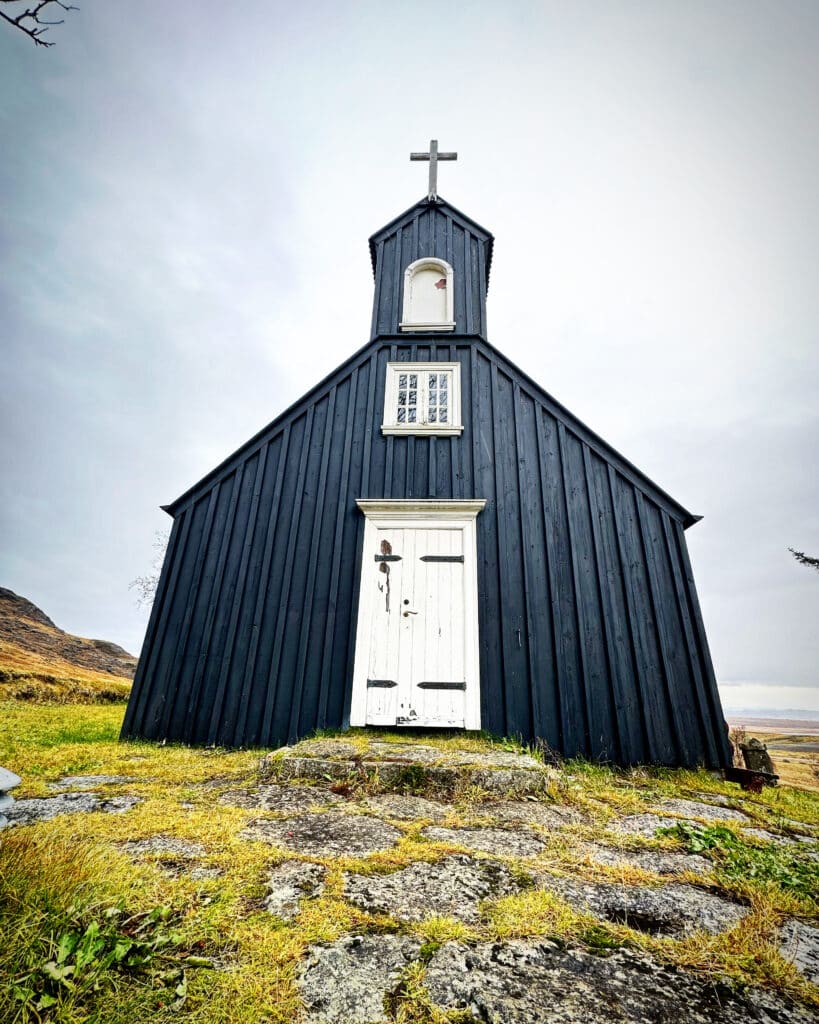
(409, 613)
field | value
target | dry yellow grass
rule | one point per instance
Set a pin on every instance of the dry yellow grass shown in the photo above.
(26, 675)
(796, 767)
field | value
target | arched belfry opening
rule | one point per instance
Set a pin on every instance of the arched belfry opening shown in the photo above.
(428, 296)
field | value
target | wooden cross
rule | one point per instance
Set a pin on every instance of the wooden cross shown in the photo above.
(433, 156)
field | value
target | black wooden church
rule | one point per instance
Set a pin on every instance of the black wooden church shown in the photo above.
(427, 538)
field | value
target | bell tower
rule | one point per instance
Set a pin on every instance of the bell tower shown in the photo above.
(431, 267)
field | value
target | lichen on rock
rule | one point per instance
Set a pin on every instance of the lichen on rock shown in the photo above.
(674, 909)
(328, 834)
(348, 981)
(520, 982)
(23, 812)
(290, 882)
(452, 887)
(497, 841)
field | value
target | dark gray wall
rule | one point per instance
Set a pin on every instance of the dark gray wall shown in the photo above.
(591, 636)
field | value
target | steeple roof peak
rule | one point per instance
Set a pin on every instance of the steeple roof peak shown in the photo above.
(452, 212)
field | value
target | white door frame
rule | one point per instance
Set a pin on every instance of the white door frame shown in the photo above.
(419, 514)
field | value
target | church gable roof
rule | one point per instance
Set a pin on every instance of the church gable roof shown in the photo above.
(371, 361)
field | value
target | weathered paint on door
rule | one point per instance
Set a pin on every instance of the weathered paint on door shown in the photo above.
(416, 671)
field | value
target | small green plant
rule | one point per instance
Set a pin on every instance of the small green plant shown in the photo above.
(412, 778)
(600, 938)
(739, 860)
(428, 950)
(80, 959)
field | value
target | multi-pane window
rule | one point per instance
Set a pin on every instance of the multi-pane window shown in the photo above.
(422, 398)
(407, 405)
(438, 396)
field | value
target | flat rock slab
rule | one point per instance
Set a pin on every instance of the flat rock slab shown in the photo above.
(798, 844)
(289, 883)
(279, 798)
(646, 825)
(409, 766)
(509, 782)
(766, 836)
(673, 910)
(326, 748)
(411, 753)
(657, 861)
(800, 946)
(698, 809)
(532, 812)
(539, 983)
(497, 841)
(173, 856)
(163, 846)
(199, 874)
(24, 812)
(407, 808)
(401, 775)
(347, 982)
(720, 800)
(331, 834)
(86, 782)
(8, 780)
(452, 887)
(801, 826)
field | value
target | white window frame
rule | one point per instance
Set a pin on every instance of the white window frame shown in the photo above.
(390, 423)
(428, 263)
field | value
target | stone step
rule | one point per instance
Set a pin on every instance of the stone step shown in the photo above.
(418, 767)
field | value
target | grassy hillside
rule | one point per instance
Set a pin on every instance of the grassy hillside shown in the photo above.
(26, 675)
(41, 663)
(147, 941)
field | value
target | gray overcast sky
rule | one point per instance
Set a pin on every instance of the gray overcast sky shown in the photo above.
(187, 191)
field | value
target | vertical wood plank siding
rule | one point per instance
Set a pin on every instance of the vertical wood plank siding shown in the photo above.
(431, 231)
(591, 637)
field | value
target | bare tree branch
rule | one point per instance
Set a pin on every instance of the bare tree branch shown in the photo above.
(803, 559)
(32, 20)
(145, 586)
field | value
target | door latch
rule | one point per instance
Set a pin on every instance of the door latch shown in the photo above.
(409, 613)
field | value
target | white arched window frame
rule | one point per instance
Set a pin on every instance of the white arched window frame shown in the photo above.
(416, 309)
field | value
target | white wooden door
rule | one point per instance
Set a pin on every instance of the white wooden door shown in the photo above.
(417, 673)
(416, 657)
(416, 650)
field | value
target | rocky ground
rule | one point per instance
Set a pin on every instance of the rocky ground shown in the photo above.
(490, 891)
